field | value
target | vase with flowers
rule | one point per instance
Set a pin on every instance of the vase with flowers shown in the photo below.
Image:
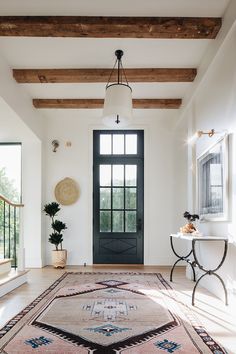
(190, 227)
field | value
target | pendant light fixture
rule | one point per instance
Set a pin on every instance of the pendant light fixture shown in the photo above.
(117, 111)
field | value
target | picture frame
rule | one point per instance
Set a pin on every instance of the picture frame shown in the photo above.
(212, 182)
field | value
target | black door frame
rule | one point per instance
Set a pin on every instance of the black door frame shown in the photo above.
(119, 159)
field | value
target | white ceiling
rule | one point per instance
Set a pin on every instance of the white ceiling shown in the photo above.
(211, 8)
(99, 53)
(91, 52)
(141, 90)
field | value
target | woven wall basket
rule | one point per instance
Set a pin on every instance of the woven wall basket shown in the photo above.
(67, 191)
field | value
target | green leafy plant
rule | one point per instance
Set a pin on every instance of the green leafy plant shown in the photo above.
(56, 237)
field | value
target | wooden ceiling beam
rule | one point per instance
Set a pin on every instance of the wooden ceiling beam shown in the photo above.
(98, 103)
(110, 27)
(52, 76)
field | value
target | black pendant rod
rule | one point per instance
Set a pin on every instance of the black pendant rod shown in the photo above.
(119, 53)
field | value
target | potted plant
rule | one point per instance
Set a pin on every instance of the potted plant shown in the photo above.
(189, 227)
(59, 256)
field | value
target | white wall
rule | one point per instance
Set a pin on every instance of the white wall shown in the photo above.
(12, 129)
(214, 106)
(162, 199)
(31, 193)
(21, 122)
(19, 100)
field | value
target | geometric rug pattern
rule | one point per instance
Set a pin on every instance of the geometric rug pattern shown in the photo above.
(106, 313)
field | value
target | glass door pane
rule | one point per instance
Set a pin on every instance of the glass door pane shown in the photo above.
(118, 198)
(118, 144)
(105, 221)
(105, 144)
(130, 221)
(105, 175)
(105, 198)
(117, 221)
(130, 198)
(118, 175)
(131, 175)
(131, 144)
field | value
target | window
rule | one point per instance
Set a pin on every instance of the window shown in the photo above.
(10, 171)
(118, 198)
(118, 184)
(212, 182)
(118, 144)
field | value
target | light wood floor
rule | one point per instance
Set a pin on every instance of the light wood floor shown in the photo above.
(219, 320)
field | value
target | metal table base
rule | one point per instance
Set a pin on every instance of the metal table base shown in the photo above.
(196, 262)
(181, 258)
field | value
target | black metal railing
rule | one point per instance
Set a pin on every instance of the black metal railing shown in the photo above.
(9, 230)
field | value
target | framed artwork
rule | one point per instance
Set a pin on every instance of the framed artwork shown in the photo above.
(212, 182)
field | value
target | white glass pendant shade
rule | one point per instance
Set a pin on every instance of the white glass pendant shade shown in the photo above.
(118, 102)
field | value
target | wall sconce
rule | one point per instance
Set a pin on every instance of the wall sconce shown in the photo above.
(210, 133)
(193, 139)
(55, 144)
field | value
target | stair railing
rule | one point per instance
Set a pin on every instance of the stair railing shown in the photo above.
(11, 232)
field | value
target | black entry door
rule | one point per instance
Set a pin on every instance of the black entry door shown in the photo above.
(118, 189)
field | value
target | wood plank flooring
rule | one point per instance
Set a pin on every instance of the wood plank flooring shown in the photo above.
(219, 320)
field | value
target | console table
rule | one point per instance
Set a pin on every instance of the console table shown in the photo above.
(195, 262)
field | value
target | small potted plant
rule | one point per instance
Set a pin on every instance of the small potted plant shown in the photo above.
(59, 256)
(189, 228)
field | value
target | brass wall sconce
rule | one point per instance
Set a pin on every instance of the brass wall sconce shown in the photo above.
(210, 133)
(193, 139)
(55, 144)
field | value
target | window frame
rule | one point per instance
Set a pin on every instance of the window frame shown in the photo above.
(3, 143)
(116, 159)
(220, 216)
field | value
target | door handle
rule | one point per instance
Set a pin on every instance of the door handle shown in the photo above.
(139, 224)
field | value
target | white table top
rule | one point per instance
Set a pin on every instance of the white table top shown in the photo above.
(191, 237)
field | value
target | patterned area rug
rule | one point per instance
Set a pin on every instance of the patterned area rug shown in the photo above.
(105, 313)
